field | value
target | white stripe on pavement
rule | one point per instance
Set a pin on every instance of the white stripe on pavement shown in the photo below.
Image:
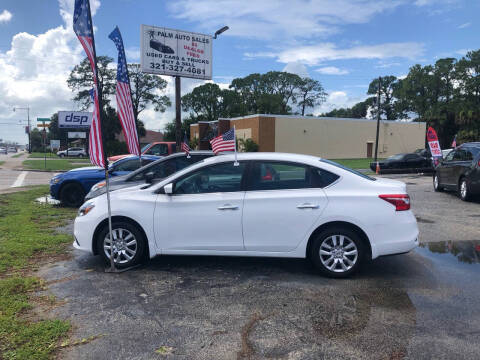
(20, 179)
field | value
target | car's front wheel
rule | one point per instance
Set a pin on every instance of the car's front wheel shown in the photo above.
(463, 190)
(436, 183)
(128, 244)
(72, 194)
(337, 252)
(62, 155)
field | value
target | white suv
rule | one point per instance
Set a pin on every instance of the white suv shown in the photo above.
(72, 152)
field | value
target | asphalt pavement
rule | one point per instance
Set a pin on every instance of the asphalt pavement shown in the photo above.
(421, 305)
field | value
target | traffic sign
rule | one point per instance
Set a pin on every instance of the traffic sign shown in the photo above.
(43, 119)
(43, 125)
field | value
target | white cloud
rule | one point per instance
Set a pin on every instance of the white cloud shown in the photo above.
(132, 54)
(5, 16)
(337, 99)
(463, 26)
(332, 70)
(314, 54)
(279, 19)
(296, 68)
(421, 3)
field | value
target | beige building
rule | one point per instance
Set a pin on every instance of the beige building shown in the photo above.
(332, 138)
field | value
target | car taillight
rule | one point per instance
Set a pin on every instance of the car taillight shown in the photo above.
(400, 201)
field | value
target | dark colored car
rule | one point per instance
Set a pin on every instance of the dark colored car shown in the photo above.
(404, 163)
(460, 171)
(424, 153)
(70, 187)
(156, 171)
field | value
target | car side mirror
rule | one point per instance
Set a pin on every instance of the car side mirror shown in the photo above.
(168, 189)
(149, 177)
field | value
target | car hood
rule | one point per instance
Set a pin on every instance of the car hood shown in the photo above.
(85, 171)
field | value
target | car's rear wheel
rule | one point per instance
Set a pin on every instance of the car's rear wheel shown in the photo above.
(62, 155)
(436, 183)
(128, 244)
(463, 190)
(72, 195)
(337, 252)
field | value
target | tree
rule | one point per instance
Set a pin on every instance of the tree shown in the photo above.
(81, 81)
(388, 85)
(310, 93)
(146, 90)
(204, 100)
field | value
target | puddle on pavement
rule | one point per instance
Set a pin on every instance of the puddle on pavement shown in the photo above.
(47, 199)
(464, 251)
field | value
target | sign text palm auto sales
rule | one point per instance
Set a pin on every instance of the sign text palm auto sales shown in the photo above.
(176, 53)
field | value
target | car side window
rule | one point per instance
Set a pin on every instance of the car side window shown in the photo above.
(459, 155)
(272, 175)
(468, 156)
(128, 165)
(450, 155)
(225, 177)
(158, 149)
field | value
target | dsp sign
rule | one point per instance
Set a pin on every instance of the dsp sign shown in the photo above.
(74, 119)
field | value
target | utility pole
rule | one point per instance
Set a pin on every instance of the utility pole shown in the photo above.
(178, 111)
(378, 117)
(29, 128)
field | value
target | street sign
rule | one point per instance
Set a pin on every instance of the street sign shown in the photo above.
(77, 135)
(43, 119)
(43, 125)
(74, 119)
(175, 52)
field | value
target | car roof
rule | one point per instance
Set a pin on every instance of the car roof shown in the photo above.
(274, 156)
(470, 144)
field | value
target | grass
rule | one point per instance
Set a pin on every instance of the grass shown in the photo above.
(41, 155)
(58, 164)
(355, 163)
(21, 250)
(2, 162)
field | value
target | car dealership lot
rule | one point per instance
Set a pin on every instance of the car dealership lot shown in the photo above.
(419, 305)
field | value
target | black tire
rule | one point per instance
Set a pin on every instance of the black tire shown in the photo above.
(436, 183)
(72, 195)
(326, 237)
(62, 155)
(124, 228)
(463, 189)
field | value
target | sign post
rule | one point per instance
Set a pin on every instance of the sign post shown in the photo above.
(176, 53)
(43, 121)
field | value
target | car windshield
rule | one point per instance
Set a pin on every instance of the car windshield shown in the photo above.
(395, 157)
(144, 148)
(358, 173)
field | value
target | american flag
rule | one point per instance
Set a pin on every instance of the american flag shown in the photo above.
(224, 142)
(82, 25)
(124, 96)
(454, 142)
(185, 146)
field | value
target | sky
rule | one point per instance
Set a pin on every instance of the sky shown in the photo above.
(342, 43)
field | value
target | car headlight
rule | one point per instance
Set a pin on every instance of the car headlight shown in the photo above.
(55, 180)
(86, 208)
(98, 186)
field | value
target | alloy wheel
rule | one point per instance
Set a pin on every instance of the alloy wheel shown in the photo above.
(463, 189)
(124, 245)
(338, 253)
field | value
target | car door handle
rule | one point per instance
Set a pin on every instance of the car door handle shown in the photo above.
(228, 207)
(307, 206)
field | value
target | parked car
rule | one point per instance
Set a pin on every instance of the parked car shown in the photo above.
(403, 163)
(424, 153)
(270, 204)
(76, 151)
(154, 171)
(70, 187)
(3, 150)
(460, 171)
(12, 149)
(162, 148)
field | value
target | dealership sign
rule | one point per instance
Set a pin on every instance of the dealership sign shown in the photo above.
(434, 145)
(74, 119)
(175, 52)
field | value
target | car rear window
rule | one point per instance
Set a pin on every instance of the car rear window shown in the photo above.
(358, 173)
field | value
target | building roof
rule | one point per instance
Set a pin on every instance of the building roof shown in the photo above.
(407, 121)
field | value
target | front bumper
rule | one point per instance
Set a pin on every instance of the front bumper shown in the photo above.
(83, 231)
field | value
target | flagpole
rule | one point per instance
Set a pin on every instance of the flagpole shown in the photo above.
(235, 142)
(102, 127)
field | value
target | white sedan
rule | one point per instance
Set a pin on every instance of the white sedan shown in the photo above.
(268, 204)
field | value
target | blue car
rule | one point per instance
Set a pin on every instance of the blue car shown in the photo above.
(72, 186)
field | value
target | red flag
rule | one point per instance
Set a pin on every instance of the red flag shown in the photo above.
(82, 25)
